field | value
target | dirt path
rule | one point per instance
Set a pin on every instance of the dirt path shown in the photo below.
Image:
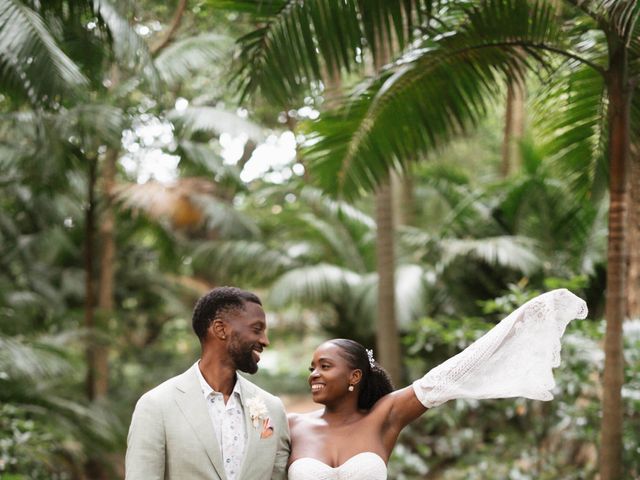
(299, 403)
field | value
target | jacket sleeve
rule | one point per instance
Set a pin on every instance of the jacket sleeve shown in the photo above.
(145, 458)
(284, 445)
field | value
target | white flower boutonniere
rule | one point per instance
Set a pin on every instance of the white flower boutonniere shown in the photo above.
(257, 411)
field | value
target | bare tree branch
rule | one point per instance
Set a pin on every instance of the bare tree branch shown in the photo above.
(170, 32)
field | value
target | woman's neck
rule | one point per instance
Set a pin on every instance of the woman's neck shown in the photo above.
(342, 413)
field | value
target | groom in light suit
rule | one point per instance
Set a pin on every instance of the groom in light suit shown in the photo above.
(210, 422)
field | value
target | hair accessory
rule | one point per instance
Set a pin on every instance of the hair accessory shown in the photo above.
(351, 388)
(372, 360)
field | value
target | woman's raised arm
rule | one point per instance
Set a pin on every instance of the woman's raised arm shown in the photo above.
(514, 359)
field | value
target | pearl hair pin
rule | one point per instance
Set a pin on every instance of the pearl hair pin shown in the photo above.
(372, 360)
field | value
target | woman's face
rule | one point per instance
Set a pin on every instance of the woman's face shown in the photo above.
(330, 375)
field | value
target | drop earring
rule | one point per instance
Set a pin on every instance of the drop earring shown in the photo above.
(351, 388)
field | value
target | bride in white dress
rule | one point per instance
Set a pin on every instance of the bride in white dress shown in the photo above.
(352, 437)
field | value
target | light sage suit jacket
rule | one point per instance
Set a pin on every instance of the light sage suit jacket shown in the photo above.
(172, 437)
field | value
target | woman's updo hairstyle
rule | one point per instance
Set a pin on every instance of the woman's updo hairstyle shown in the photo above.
(375, 382)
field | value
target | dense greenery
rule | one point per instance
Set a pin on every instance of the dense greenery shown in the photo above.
(126, 193)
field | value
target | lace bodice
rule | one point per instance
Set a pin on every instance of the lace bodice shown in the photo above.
(514, 359)
(363, 466)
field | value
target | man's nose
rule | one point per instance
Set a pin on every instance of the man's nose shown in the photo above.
(264, 340)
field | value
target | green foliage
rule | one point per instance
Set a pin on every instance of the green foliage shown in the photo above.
(24, 445)
(29, 54)
(46, 431)
(323, 34)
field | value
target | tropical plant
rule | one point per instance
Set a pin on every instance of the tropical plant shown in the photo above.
(38, 376)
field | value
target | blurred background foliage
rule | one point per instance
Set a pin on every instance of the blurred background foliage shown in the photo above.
(146, 156)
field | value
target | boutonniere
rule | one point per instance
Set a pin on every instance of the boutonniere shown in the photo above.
(258, 411)
(260, 416)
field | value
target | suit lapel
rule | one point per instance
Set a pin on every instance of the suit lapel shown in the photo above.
(192, 405)
(251, 450)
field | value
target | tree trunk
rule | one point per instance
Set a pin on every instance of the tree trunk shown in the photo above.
(403, 198)
(387, 337)
(619, 117)
(513, 127)
(633, 277)
(388, 342)
(107, 268)
(89, 304)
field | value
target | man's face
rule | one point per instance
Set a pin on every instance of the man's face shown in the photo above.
(248, 337)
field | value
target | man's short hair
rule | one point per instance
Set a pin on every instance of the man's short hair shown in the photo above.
(218, 301)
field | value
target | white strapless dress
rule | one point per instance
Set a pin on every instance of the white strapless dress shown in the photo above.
(363, 466)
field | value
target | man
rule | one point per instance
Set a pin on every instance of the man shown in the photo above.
(210, 422)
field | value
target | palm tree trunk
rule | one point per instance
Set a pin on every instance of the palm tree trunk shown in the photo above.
(619, 94)
(387, 339)
(107, 268)
(633, 277)
(513, 126)
(89, 305)
(403, 198)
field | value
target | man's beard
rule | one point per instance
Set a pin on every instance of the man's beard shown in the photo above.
(242, 357)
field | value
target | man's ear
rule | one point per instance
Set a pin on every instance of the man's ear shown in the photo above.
(219, 329)
(355, 377)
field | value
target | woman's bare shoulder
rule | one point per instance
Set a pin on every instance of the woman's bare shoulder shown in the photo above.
(300, 418)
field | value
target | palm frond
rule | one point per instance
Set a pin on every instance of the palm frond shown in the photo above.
(223, 219)
(594, 246)
(91, 125)
(128, 47)
(570, 116)
(342, 244)
(188, 203)
(507, 251)
(214, 121)
(298, 39)
(181, 59)
(312, 285)
(412, 293)
(433, 94)
(28, 361)
(31, 375)
(205, 157)
(621, 15)
(31, 63)
(336, 208)
(242, 261)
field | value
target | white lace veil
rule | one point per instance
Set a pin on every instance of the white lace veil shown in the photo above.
(514, 359)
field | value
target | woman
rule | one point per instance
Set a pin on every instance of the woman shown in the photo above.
(353, 435)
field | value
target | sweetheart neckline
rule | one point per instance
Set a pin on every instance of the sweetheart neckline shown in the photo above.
(342, 464)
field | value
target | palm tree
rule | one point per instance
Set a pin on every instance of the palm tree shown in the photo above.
(440, 87)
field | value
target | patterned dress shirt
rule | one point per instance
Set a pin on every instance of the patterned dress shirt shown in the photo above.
(228, 425)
